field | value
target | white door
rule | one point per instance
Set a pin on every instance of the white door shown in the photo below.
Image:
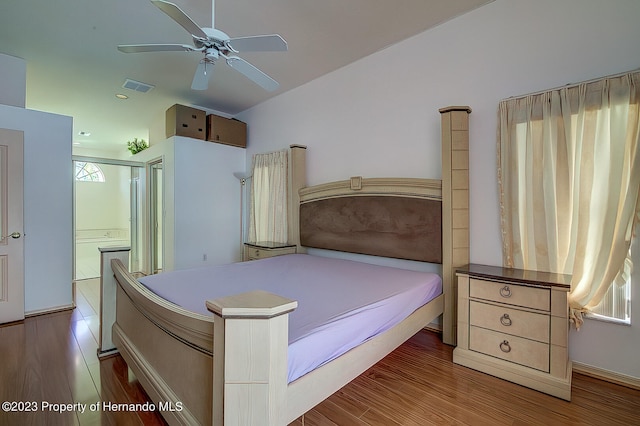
(11, 239)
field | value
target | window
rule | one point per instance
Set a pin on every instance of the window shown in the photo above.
(569, 176)
(616, 302)
(88, 172)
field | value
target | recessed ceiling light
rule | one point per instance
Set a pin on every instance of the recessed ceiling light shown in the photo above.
(121, 96)
(83, 133)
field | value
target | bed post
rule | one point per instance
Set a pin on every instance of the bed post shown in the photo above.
(108, 286)
(455, 208)
(297, 180)
(250, 345)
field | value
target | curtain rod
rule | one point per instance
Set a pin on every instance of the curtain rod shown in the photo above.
(569, 85)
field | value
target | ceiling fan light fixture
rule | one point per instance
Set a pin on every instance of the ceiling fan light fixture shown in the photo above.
(211, 55)
(214, 44)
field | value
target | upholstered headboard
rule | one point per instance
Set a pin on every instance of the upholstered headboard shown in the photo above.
(399, 218)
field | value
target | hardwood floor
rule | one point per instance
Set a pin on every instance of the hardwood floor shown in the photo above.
(419, 385)
(52, 359)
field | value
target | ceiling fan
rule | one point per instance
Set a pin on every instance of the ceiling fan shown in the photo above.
(214, 44)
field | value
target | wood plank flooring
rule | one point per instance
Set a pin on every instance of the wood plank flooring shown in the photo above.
(52, 358)
(419, 385)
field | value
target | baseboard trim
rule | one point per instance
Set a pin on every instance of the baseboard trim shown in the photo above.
(434, 326)
(49, 311)
(108, 353)
(606, 375)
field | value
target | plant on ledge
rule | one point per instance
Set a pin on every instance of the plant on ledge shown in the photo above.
(137, 145)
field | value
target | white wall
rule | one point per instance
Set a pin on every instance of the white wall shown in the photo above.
(379, 116)
(206, 202)
(104, 205)
(202, 201)
(14, 80)
(47, 206)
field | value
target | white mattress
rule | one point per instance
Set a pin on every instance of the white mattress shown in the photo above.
(341, 303)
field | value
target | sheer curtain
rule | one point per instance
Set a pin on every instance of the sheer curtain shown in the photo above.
(268, 211)
(569, 177)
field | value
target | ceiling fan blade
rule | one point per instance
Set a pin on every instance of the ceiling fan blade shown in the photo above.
(252, 73)
(261, 43)
(202, 75)
(138, 48)
(180, 17)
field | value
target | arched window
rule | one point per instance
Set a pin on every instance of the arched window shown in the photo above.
(88, 172)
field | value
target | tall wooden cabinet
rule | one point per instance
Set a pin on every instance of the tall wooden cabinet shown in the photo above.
(514, 324)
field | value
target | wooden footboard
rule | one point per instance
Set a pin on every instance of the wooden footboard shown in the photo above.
(168, 349)
(246, 382)
(175, 375)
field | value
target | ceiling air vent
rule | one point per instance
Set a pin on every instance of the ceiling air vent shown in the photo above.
(138, 86)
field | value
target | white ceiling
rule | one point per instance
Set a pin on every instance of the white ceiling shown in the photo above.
(74, 68)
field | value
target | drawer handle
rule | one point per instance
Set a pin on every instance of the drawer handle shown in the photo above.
(505, 291)
(505, 320)
(257, 253)
(505, 346)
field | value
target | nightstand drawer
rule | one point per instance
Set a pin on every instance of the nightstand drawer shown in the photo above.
(517, 295)
(253, 252)
(256, 253)
(510, 348)
(529, 325)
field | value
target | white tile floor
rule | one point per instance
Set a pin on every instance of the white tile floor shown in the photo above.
(88, 304)
(87, 267)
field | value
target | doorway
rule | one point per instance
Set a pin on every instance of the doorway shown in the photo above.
(105, 211)
(156, 213)
(107, 198)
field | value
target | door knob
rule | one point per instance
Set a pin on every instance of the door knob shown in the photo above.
(14, 235)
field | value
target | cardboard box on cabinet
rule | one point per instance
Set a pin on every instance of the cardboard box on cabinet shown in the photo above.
(186, 121)
(227, 131)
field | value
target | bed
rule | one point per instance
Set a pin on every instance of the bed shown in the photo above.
(170, 346)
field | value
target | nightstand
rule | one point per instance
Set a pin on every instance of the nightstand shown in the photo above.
(264, 249)
(514, 324)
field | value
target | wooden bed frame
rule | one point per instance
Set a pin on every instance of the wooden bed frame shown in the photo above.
(170, 350)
